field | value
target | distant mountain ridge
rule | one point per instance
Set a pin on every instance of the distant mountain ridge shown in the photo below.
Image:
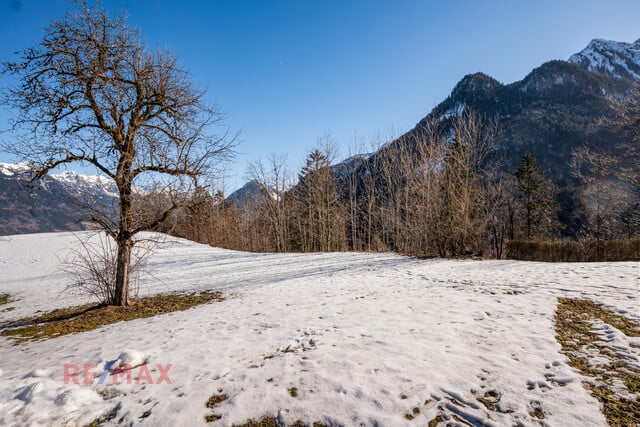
(248, 194)
(252, 192)
(555, 108)
(56, 202)
(618, 59)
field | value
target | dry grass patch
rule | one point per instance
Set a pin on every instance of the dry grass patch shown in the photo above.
(273, 422)
(4, 298)
(266, 421)
(573, 321)
(263, 422)
(91, 316)
(214, 401)
(437, 420)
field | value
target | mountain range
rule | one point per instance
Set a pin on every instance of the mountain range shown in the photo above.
(557, 107)
(554, 109)
(56, 202)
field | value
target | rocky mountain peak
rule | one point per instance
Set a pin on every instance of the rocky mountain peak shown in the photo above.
(614, 58)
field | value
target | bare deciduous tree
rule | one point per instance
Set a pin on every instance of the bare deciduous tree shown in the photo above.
(273, 179)
(91, 92)
(93, 264)
(603, 194)
(627, 123)
(465, 170)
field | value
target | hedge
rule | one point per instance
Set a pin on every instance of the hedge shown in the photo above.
(572, 251)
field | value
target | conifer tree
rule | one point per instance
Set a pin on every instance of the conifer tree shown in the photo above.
(538, 212)
(320, 223)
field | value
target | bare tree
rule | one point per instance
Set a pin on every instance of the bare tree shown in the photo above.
(273, 179)
(93, 264)
(500, 212)
(463, 216)
(91, 92)
(425, 183)
(603, 194)
(369, 176)
(627, 122)
(350, 192)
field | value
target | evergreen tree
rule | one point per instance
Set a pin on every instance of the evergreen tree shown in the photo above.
(319, 221)
(539, 210)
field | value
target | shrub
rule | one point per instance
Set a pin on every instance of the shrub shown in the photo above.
(570, 251)
(92, 267)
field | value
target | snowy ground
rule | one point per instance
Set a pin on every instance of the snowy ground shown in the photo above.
(364, 338)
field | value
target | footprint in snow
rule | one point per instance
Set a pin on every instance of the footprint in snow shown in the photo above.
(536, 410)
(557, 375)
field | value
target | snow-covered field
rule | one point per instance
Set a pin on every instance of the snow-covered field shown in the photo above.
(364, 338)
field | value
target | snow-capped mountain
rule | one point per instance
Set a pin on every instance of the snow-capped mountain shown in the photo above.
(93, 184)
(614, 58)
(14, 169)
(57, 202)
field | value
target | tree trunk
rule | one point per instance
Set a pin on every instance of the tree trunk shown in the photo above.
(121, 297)
(124, 238)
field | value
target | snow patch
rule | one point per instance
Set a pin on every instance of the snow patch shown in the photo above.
(49, 402)
(615, 58)
(363, 337)
(11, 169)
(456, 111)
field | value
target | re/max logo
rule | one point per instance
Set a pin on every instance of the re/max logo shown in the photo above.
(89, 374)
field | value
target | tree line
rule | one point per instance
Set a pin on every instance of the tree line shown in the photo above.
(446, 193)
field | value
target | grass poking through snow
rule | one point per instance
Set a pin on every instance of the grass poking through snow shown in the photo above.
(273, 422)
(266, 421)
(88, 317)
(214, 401)
(4, 298)
(574, 331)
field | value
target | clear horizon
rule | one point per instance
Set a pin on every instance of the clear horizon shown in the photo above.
(290, 72)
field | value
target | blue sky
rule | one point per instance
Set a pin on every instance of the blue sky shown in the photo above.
(288, 72)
